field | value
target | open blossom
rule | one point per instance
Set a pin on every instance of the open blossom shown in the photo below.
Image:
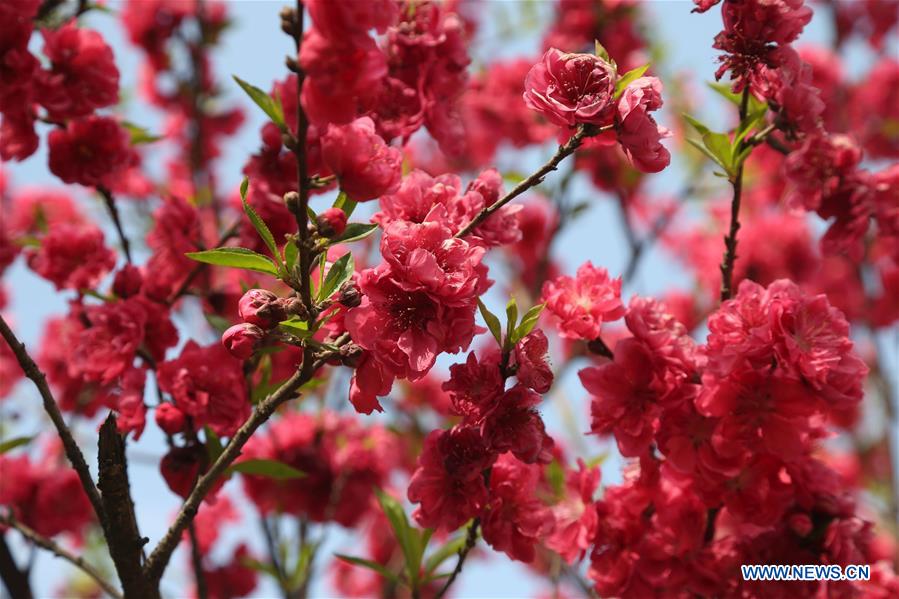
(514, 425)
(530, 358)
(638, 133)
(106, 348)
(72, 257)
(449, 482)
(516, 520)
(576, 520)
(207, 384)
(83, 76)
(571, 89)
(365, 166)
(346, 18)
(92, 151)
(584, 302)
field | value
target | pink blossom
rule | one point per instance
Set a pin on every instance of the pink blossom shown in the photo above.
(638, 132)
(365, 166)
(581, 304)
(571, 89)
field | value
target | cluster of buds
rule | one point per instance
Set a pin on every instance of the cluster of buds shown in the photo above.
(261, 311)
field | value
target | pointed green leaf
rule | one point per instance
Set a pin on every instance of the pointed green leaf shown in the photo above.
(446, 551)
(339, 273)
(528, 322)
(235, 258)
(244, 186)
(213, 444)
(260, 226)
(493, 324)
(718, 144)
(269, 105)
(600, 51)
(354, 232)
(140, 135)
(13, 443)
(396, 515)
(267, 468)
(700, 127)
(291, 255)
(629, 78)
(344, 202)
(295, 326)
(367, 563)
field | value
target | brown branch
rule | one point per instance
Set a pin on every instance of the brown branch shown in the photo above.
(73, 452)
(158, 560)
(470, 540)
(113, 210)
(59, 551)
(565, 150)
(14, 579)
(122, 535)
(730, 240)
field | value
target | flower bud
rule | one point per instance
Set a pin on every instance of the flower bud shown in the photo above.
(180, 468)
(127, 281)
(294, 307)
(170, 419)
(262, 308)
(292, 64)
(241, 340)
(350, 296)
(331, 222)
(292, 201)
(350, 355)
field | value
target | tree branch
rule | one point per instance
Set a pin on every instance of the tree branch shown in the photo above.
(730, 240)
(565, 150)
(59, 551)
(116, 220)
(196, 559)
(73, 452)
(122, 535)
(470, 541)
(158, 560)
(14, 579)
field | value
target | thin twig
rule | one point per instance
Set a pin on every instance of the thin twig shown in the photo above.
(470, 540)
(730, 240)
(116, 220)
(158, 560)
(73, 452)
(565, 150)
(196, 559)
(54, 548)
(14, 579)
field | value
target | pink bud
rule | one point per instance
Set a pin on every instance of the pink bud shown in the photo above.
(127, 281)
(169, 418)
(262, 308)
(331, 222)
(241, 340)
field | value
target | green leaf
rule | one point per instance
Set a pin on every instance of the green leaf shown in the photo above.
(291, 255)
(339, 273)
(267, 468)
(496, 329)
(511, 320)
(528, 322)
(724, 90)
(263, 567)
(371, 565)
(13, 443)
(295, 326)
(344, 202)
(700, 127)
(699, 146)
(629, 78)
(396, 515)
(260, 226)
(219, 323)
(719, 145)
(213, 444)
(448, 550)
(140, 135)
(354, 232)
(235, 258)
(269, 105)
(601, 51)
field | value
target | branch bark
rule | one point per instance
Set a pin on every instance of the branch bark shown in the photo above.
(14, 579)
(59, 551)
(470, 541)
(159, 559)
(730, 240)
(565, 150)
(122, 535)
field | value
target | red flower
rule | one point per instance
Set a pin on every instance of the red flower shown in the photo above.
(341, 19)
(72, 257)
(516, 519)
(530, 358)
(638, 133)
(93, 151)
(170, 419)
(207, 384)
(583, 303)
(515, 425)
(474, 387)
(449, 483)
(576, 518)
(571, 89)
(83, 75)
(107, 347)
(365, 166)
